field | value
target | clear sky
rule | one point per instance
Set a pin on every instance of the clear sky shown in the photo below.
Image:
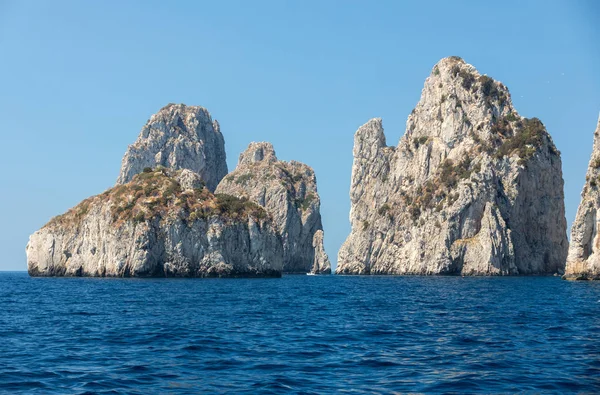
(78, 80)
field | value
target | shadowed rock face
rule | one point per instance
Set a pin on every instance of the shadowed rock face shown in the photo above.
(288, 191)
(472, 187)
(583, 262)
(162, 223)
(178, 137)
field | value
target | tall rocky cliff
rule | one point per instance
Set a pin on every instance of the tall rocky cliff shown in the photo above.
(161, 223)
(583, 262)
(178, 137)
(288, 191)
(472, 188)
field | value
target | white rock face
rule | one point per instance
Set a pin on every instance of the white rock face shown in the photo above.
(188, 179)
(583, 262)
(157, 225)
(178, 137)
(321, 264)
(288, 191)
(472, 187)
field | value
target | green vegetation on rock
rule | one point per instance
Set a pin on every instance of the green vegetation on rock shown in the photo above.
(244, 178)
(525, 141)
(157, 194)
(304, 204)
(490, 91)
(417, 141)
(383, 209)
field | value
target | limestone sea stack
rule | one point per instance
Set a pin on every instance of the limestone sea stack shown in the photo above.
(288, 191)
(472, 188)
(162, 219)
(583, 262)
(161, 223)
(178, 137)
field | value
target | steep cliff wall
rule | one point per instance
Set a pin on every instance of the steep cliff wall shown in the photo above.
(583, 262)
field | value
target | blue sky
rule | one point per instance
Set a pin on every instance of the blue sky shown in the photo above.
(79, 79)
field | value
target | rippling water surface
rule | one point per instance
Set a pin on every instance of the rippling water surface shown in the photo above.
(298, 334)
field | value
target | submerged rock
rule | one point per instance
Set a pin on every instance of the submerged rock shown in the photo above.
(161, 223)
(472, 188)
(583, 262)
(288, 191)
(178, 137)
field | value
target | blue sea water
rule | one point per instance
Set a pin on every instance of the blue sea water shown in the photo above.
(298, 334)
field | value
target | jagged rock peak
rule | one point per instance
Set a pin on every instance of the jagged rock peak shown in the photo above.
(457, 88)
(258, 152)
(370, 138)
(583, 261)
(454, 73)
(288, 191)
(178, 137)
(472, 187)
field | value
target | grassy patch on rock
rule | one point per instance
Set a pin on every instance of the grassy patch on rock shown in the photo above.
(157, 194)
(528, 137)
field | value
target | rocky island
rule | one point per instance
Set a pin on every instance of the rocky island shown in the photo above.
(161, 223)
(472, 188)
(162, 218)
(583, 261)
(288, 191)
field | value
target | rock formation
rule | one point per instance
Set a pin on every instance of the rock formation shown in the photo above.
(178, 137)
(288, 191)
(472, 188)
(161, 223)
(583, 262)
(321, 264)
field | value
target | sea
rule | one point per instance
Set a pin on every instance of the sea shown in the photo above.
(299, 335)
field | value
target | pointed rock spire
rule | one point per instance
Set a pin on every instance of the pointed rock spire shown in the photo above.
(178, 137)
(258, 152)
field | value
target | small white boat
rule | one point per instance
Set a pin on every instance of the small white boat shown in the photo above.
(310, 274)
